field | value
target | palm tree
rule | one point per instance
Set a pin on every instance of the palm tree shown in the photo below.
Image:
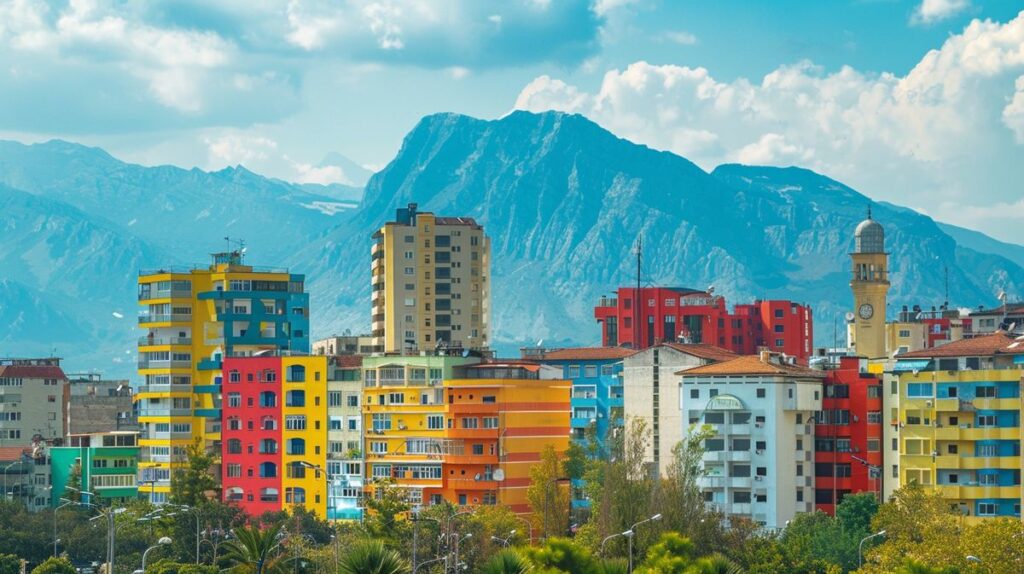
(372, 557)
(718, 564)
(506, 562)
(613, 566)
(255, 551)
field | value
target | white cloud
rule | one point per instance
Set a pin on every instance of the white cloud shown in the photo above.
(234, 149)
(953, 122)
(932, 11)
(680, 37)
(307, 173)
(457, 72)
(602, 7)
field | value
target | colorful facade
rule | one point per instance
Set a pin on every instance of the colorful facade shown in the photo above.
(957, 419)
(192, 320)
(678, 314)
(108, 464)
(848, 434)
(461, 430)
(345, 437)
(274, 448)
(430, 283)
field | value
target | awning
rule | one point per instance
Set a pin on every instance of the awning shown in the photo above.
(911, 365)
(1018, 360)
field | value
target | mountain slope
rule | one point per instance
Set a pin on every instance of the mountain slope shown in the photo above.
(982, 243)
(565, 201)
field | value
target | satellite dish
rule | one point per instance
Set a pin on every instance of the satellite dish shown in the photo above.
(499, 475)
(849, 316)
(477, 477)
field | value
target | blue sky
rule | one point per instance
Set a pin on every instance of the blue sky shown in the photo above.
(919, 102)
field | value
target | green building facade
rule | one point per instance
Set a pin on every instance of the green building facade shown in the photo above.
(108, 463)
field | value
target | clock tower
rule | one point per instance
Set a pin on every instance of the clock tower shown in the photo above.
(870, 285)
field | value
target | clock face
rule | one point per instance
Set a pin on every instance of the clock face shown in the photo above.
(866, 311)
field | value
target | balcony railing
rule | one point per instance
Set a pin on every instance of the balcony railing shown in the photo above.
(168, 364)
(154, 341)
(165, 293)
(164, 318)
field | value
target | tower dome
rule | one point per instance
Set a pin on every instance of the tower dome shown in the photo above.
(869, 236)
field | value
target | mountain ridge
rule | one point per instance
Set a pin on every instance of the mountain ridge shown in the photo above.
(563, 200)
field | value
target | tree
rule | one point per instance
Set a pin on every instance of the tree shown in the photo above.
(55, 566)
(856, 511)
(911, 566)
(506, 562)
(561, 555)
(673, 554)
(9, 564)
(167, 566)
(385, 508)
(74, 484)
(919, 525)
(997, 542)
(193, 484)
(679, 498)
(255, 551)
(372, 557)
(549, 502)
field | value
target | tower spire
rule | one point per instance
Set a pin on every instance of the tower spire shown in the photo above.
(869, 211)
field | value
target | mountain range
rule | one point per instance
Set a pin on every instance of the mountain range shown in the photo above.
(564, 201)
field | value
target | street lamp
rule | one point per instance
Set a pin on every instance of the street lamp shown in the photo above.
(164, 541)
(457, 542)
(7, 468)
(607, 538)
(504, 541)
(444, 558)
(529, 526)
(632, 532)
(66, 503)
(327, 515)
(860, 547)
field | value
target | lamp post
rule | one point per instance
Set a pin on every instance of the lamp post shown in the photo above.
(6, 469)
(443, 558)
(108, 514)
(860, 547)
(529, 526)
(607, 538)
(330, 488)
(164, 541)
(631, 533)
(66, 503)
(504, 541)
(457, 542)
(415, 533)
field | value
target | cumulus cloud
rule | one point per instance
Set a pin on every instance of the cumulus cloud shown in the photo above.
(235, 149)
(680, 37)
(953, 122)
(932, 11)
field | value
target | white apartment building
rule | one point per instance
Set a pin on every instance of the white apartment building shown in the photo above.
(651, 393)
(344, 437)
(760, 463)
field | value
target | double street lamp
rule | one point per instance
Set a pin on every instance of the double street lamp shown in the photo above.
(164, 541)
(860, 547)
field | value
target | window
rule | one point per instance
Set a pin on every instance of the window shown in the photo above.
(352, 400)
(268, 446)
(234, 377)
(295, 422)
(381, 422)
(490, 422)
(875, 417)
(234, 400)
(780, 328)
(296, 446)
(295, 398)
(470, 423)
(268, 399)
(874, 445)
(296, 374)
(986, 392)
(694, 393)
(741, 497)
(916, 390)
(295, 495)
(268, 470)
(378, 447)
(986, 509)
(435, 422)
(234, 470)
(574, 372)
(234, 446)
(590, 371)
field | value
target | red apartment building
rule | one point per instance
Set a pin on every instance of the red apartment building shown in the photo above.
(848, 435)
(678, 314)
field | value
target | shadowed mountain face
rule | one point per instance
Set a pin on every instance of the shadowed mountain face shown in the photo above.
(563, 200)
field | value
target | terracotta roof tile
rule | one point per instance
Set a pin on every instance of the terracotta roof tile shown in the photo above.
(350, 361)
(33, 372)
(12, 453)
(704, 351)
(752, 365)
(587, 354)
(986, 345)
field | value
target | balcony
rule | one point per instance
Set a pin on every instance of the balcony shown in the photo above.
(164, 318)
(209, 365)
(739, 429)
(208, 413)
(165, 412)
(169, 364)
(990, 433)
(206, 389)
(471, 459)
(164, 389)
(155, 435)
(472, 484)
(1007, 404)
(163, 341)
(956, 491)
(728, 455)
(473, 433)
(145, 295)
(608, 302)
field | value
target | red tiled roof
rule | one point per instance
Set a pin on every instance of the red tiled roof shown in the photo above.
(455, 221)
(704, 351)
(32, 372)
(752, 365)
(13, 453)
(587, 353)
(985, 346)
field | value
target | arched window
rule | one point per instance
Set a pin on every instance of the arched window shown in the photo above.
(268, 399)
(234, 446)
(296, 470)
(234, 494)
(269, 423)
(296, 446)
(268, 446)
(234, 423)
(269, 495)
(295, 399)
(268, 470)
(295, 495)
(296, 374)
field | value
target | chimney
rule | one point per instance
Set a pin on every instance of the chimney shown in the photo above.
(765, 356)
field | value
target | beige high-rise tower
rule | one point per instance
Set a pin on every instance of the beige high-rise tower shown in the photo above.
(430, 283)
(870, 285)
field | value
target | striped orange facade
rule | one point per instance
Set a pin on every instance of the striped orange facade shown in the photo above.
(458, 430)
